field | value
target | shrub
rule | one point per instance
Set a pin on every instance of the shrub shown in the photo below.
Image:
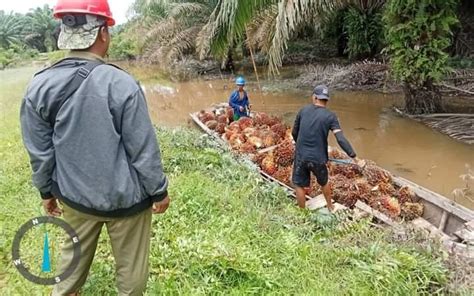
(6, 57)
(364, 32)
(418, 33)
(122, 47)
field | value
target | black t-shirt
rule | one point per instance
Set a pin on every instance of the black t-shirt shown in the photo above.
(311, 129)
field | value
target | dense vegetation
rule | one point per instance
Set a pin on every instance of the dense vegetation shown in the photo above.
(419, 32)
(23, 36)
(203, 245)
(414, 36)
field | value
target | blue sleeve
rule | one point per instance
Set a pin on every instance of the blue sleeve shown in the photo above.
(233, 99)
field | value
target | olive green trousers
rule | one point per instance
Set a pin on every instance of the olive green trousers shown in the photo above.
(130, 239)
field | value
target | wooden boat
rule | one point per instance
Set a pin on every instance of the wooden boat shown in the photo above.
(452, 223)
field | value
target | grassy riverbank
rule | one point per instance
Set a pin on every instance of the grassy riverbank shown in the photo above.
(226, 232)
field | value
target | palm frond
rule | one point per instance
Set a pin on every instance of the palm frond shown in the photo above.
(184, 9)
(203, 41)
(260, 31)
(163, 30)
(228, 22)
(232, 19)
(291, 15)
(183, 42)
(10, 29)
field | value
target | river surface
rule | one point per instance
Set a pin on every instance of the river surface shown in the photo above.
(402, 146)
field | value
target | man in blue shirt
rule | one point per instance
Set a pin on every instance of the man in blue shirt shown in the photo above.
(239, 101)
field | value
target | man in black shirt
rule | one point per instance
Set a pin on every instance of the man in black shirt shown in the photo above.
(310, 131)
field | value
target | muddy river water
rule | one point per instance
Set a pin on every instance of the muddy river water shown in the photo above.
(404, 147)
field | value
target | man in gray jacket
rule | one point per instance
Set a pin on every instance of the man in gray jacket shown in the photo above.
(92, 146)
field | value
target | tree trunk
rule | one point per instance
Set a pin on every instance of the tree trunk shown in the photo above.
(228, 63)
(422, 100)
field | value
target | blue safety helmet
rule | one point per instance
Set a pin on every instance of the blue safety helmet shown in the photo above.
(240, 80)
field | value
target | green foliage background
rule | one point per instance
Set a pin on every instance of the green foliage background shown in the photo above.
(364, 32)
(24, 36)
(418, 33)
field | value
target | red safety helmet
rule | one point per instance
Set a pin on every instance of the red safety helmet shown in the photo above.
(95, 7)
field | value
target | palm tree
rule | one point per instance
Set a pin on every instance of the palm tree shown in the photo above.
(40, 29)
(173, 27)
(10, 29)
(267, 25)
(150, 9)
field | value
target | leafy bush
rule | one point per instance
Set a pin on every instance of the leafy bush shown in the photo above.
(122, 47)
(358, 30)
(6, 57)
(418, 33)
(363, 29)
(16, 54)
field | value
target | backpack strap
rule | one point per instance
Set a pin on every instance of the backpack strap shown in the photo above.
(59, 63)
(81, 74)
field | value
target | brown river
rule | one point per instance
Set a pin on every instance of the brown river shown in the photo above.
(402, 146)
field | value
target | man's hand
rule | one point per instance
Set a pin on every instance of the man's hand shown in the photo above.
(161, 206)
(51, 207)
(241, 109)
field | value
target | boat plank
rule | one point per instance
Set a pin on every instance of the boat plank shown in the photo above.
(466, 235)
(437, 199)
(205, 128)
(470, 225)
(382, 217)
(421, 223)
(444, 220)
(316, 203)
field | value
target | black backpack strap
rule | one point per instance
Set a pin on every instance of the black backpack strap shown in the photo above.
(59, 63)
(81, 74)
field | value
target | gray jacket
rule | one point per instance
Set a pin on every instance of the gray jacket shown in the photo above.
(102, 156)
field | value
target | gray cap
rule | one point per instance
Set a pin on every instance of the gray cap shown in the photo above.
(80, 36)
(321, 92)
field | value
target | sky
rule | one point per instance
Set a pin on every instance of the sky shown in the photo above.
(119, 7)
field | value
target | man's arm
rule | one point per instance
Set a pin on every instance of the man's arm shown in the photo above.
(142, 147)
(37, 138)
(296, 127)
(344, 143)
(341, 140)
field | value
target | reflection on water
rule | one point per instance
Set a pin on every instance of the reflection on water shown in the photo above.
(402, 146)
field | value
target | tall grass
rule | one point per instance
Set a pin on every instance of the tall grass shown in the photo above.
(226, 233)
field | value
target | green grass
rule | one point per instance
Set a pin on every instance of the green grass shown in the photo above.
(226, 233)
